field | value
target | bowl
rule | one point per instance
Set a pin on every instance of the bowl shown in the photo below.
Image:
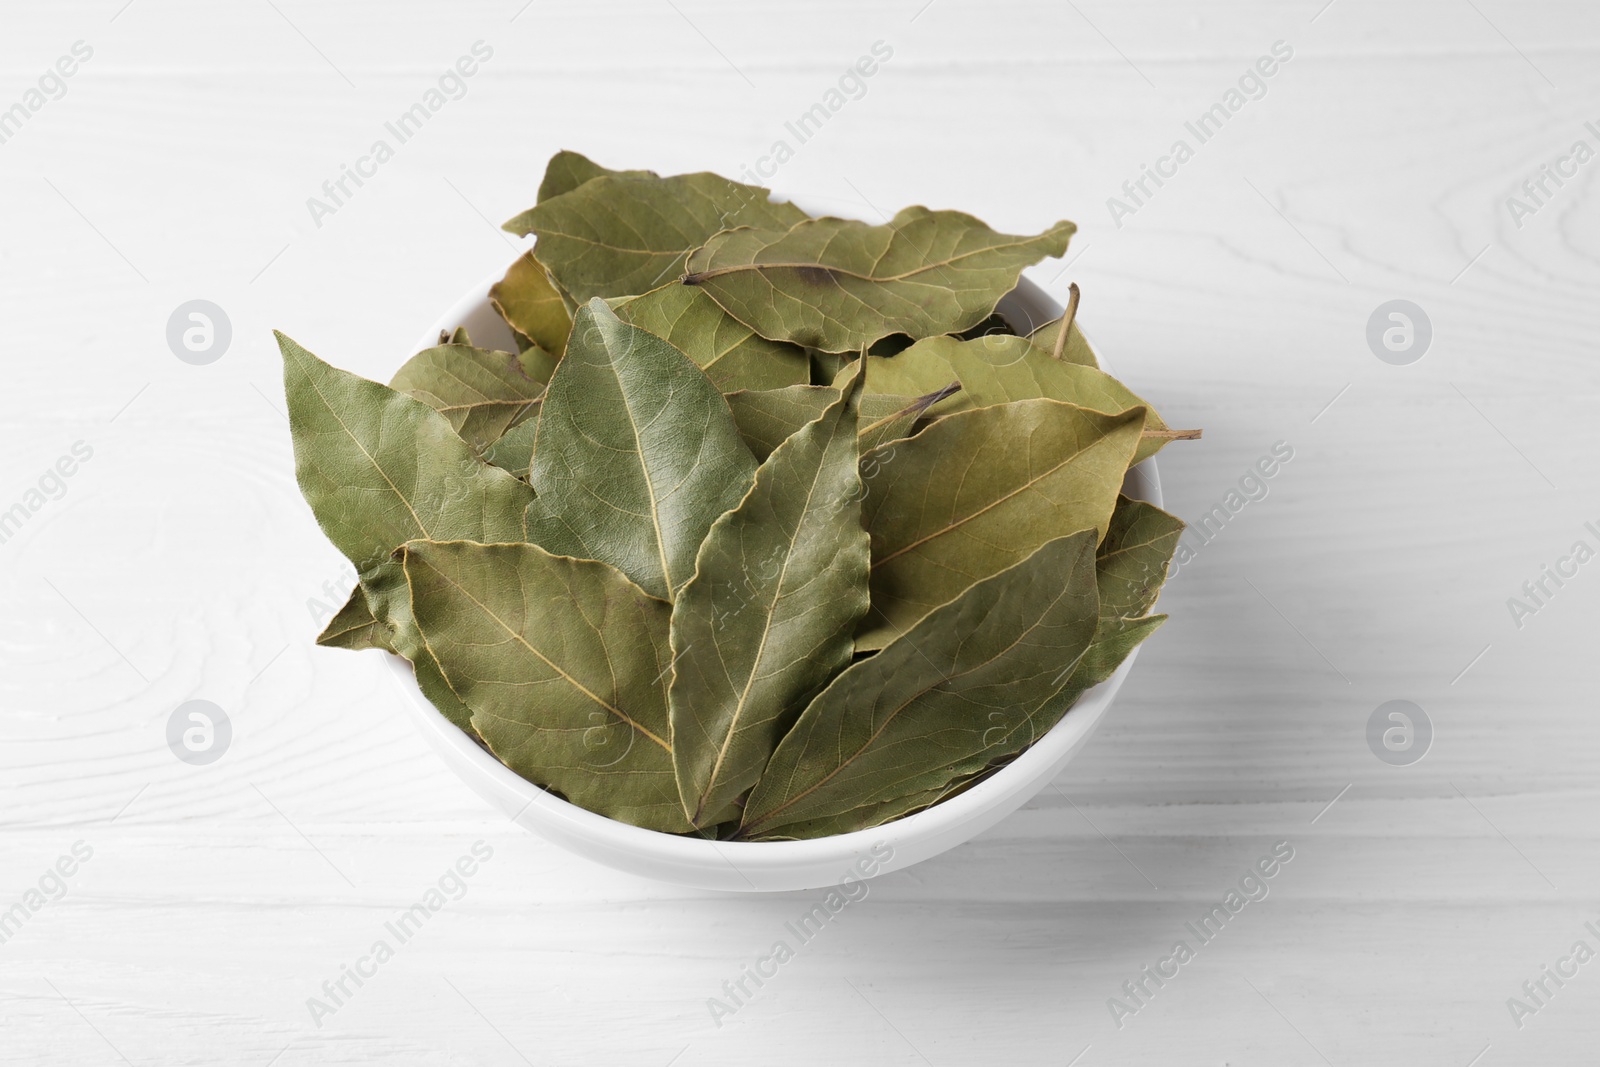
(763, 866)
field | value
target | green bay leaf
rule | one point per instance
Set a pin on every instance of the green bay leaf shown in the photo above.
(483, 393)
(616, 235)
(730, 353)
(836, 285)
(563, 663)
(380, 468)
(638, 450)
(962, 687)
(978, 491)
(768, 617)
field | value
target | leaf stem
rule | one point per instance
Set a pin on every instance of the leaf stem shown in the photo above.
(1171, 435)
(1066, 320)
(916, 407)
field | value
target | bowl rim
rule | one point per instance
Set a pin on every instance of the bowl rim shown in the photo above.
(765, 862)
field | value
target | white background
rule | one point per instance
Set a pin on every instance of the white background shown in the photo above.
(180, 561)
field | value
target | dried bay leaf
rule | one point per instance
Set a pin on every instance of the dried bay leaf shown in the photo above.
(616, 235)
(388, 597)
(730, 353)
(768, 417)
(380, 468)
(894, 417)
(978, 491)
(637, 454)
(564, 665)
(513, 450)
(874, 813)
(567, 170)
(1131, 565)
(768, 617)
(354, 627)
(532, 306)
(1134, 556)
(962, 687)
(827, 366)
(483, 393)
(878, 812)
(676, 564)
(994, 324)
(1002, 368)
(837, 285)
(369, 499)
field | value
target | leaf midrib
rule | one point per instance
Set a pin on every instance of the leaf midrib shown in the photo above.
(715, 272)
(1029, 484)
(761, 648)
(370, 457)
(520, 639)
(768, 817)
(644, 468)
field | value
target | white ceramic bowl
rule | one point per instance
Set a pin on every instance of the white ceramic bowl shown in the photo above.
(763, 866)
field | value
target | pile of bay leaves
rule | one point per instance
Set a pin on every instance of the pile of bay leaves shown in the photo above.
(770, 528)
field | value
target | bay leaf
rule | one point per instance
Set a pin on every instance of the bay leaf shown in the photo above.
(620, 236)
(354, 627)
(1134, 557)
(730, 353)
(978, 491)
(388, 596)
(640, 451)
(994, 324)
(513, 450)
(1001, 368)
(894, 416)
(779, 585)
(532, 306)
(483, 393)
(768, 417)
(563, 663)
(567, 170)
(825, 366)
(380, 468)
(878, 812)
(1131, 565)
(962, 687)
(837, 285)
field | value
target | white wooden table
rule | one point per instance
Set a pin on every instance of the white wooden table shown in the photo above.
(177, 561)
